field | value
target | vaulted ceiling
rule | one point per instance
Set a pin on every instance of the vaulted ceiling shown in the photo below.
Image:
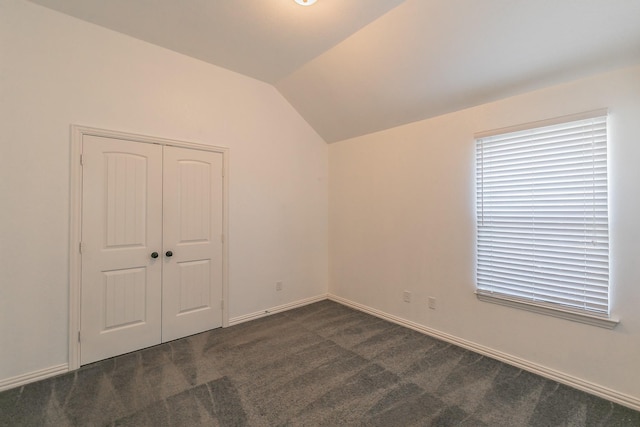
(352, 67)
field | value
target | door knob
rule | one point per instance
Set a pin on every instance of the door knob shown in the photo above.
(169, 253)
(154, 254)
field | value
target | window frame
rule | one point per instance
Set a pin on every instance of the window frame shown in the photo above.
(552, 309)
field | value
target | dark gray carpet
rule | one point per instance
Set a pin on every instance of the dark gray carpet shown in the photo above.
(323, 364)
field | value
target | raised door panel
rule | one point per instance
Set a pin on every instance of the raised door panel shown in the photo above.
(192, 276)
(121, 227)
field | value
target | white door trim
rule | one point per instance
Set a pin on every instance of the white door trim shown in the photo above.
(75, 223)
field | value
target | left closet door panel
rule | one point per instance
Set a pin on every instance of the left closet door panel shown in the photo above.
(121, 229)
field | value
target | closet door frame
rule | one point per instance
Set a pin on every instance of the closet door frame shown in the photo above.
(75, 223)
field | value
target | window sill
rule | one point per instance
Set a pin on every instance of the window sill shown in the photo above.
(541, 308)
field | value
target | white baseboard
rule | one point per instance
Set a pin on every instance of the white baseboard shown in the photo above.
(586, 386)
(34, 376)
(277, 309)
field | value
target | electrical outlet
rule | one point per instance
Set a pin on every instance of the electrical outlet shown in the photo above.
(406, 296)
(431, 301)
(278, 286)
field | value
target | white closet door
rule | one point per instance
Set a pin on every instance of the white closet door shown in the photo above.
(121, 228)
(192, 254)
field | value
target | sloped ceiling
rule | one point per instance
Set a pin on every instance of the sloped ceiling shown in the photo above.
(352, 67)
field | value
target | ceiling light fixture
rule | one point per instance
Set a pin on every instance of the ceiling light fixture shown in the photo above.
(305, 2)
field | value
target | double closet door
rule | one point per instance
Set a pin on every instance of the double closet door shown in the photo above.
(151, 245)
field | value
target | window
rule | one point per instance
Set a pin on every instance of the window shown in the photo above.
(542, 240)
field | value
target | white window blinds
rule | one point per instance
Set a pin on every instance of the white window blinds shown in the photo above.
(542, 215)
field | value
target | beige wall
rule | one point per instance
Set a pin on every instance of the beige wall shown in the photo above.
(402, 217)
(56, 71)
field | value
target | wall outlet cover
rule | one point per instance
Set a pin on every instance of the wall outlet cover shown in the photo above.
(406, 296)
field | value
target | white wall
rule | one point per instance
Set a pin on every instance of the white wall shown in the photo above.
(402, 217)
(56, 71)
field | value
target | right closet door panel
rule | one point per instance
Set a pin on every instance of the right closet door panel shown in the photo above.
(192, 242)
